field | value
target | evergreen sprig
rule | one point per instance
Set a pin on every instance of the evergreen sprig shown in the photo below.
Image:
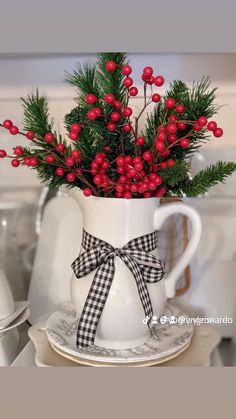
(36, 114)
(208, 177)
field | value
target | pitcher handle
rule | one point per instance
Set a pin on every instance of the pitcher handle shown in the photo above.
(161, 214)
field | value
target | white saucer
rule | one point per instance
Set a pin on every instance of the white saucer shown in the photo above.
(166, 339)
(20, 306)
(198, 354)
(20, 319)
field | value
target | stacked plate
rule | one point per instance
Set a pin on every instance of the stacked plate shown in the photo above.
(55, 342)
(9, 335)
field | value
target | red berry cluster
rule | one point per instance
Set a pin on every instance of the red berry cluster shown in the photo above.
(136, 175)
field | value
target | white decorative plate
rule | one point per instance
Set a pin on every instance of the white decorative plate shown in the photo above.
(166, 339)
(20, 306)
(19, 320)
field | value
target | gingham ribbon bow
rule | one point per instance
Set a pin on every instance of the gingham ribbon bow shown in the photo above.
(145, 268)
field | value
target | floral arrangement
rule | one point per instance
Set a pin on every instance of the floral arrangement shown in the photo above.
(104, 152)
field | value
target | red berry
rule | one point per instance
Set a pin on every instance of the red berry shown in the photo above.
(170, 163)
(127, 82)
(91, 98)
(76, 154)
(50, 158)
(115, 116)
(181, 125)
(184, 142)
(169, 103)
(133, 91)
(15, 163)
(159, 146)
(180, 108)
(156, 97)
(49, 137)
(122, 179)
(202, 121)
(160, 192)
(105, 165)
(70, 177)
(7, 123)
(163, 165)
(127, 127)
(172, 138)
(171, 128)
(161, 136)
(99, 158)
(211, 126)
(165, 153)
(128, 159)
(127, 111)
(120, 170)
(117, 104)
(137, 159)
(107, 148)
(150, 80)
(92, 115)
(27, 161)
(140, 141)
(73, 136)
(197, 127)
(70, 161)
(97, 110)
(120, 161)
(60, 148)
(109, 98)
(159, 81)
(147, 194)
(147, 156)
(34, 162)
(110, 65)
(59, 171)
(18, 151)
(75, 128)
(30, 135)
(218, 132)
(98, 179)
(119, 188)
(173, 118)
(158, 180)
(13, 130)
(2, 154)
(111, 126)
(148, 71)
(138, 166)
(127, 194)
(126, 70)
(87, 192)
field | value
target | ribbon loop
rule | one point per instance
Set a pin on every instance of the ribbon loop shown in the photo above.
(100, 255)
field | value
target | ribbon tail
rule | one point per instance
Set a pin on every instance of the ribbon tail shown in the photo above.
(95, 303)
(141, 285)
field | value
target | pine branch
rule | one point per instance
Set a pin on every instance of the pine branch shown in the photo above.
(172, 176)
(209, 177)
(36, 114)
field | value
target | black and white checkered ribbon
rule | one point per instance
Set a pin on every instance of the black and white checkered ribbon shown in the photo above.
(145, 268)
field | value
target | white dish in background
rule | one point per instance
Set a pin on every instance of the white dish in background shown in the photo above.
(166, 339)
(20, 306)
(19, 320)
(8, 347)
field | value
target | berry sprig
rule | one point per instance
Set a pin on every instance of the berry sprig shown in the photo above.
(132, 167)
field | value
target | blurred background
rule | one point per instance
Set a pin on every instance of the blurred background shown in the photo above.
(22, 198)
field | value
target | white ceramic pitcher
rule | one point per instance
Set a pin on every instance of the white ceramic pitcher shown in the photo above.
(117, 221)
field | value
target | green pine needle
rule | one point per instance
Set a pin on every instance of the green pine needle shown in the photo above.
(209, 177)
(36, 114)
